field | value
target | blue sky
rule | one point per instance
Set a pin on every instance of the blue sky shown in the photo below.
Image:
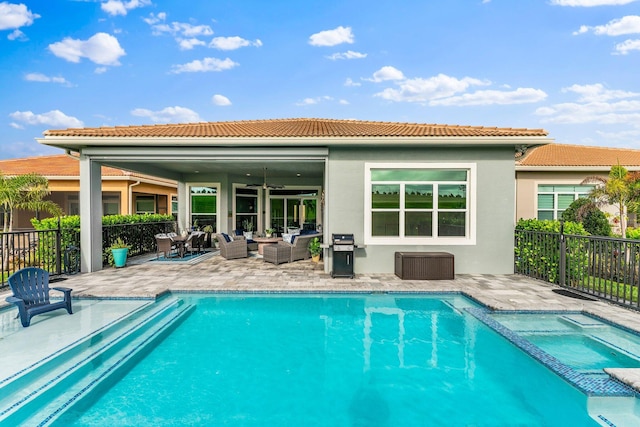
(571, 67)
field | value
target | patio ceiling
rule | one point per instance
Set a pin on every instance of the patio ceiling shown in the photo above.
(277, 170)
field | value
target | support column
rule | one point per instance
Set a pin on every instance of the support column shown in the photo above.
(90, 215)
(183, 206)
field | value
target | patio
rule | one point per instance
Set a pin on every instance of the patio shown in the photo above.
(144, 279)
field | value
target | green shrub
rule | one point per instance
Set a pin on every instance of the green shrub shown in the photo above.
(551, 226)
(114, 227)
(593, 219)
(537, 252)
(633, 233)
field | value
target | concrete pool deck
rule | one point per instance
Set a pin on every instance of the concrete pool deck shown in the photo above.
(143, 278)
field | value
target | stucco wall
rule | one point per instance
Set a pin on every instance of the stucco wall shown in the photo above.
(527, 188)
(493, 251)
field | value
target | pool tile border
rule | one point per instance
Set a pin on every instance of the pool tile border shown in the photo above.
(591, 385)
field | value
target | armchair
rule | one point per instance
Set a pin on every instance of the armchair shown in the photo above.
(232, 249)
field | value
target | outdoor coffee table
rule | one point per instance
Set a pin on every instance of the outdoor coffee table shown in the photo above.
(264, 241)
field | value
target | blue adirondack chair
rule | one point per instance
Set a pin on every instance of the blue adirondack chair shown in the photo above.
(30, 287)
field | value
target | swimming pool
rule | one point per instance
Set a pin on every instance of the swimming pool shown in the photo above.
(313, 360)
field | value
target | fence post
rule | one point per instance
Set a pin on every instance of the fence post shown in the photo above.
(563, 256)
(59, 248)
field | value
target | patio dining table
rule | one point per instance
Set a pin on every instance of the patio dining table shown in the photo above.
(180, 242)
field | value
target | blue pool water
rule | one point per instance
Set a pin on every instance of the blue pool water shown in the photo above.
(340, 360)
(577, 340)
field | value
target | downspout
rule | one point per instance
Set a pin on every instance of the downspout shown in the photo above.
(68, 153)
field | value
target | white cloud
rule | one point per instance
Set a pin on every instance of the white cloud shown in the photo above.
(118, 7)
(313, 101)
(185, 34)
(597, 93)
(100, 70)
(220, 100)
(493, 97)
(617, 27)
(55, 118)
(332, 37)
(39, 77)
(595, 104)
(590, 3)
(168, 115)
(176, 28)
(14, 16)
(424, 90)
(206, 65)
(343, 102)
(386, 73)
(154, 19)
(232, 43)
(188, 44)
(347, 55)
(101, 48)
(626, 46)
(350, 82)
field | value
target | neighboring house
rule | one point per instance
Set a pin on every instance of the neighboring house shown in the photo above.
(549, 177)
(395, 186)
(123, 192)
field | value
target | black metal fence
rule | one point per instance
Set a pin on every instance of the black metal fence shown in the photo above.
(604, 267)
(58, 250)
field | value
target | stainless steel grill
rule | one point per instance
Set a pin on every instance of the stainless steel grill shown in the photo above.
(343, 246)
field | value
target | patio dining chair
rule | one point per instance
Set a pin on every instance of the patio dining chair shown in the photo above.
(30, 287)
(165, 245)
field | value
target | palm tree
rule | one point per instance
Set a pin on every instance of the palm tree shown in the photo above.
(23, 192)
(620, 188)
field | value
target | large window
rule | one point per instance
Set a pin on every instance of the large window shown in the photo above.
(555, 199)
(419, 204)
(204, 206)
(246, 209)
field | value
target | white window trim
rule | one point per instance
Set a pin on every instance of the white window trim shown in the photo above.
(215, 185)
(555, 196)
(258, 215)
(469, 239)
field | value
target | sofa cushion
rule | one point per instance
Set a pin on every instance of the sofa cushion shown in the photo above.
(226, 237)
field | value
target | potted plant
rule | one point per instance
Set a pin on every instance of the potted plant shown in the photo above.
(247, 224)
(209, 230)
(315, 249)
(269, 232)
(118, 253)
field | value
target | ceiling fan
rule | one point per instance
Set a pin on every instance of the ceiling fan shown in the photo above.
(264, 184)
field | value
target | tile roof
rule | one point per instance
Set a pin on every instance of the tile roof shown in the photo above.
(579, 155)
(51, 166)
(297, 128)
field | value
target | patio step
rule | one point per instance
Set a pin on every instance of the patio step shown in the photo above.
(46, 391)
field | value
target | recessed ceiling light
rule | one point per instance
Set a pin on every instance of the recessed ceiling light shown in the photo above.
(298, 175)
(197, 171)
(248, 174)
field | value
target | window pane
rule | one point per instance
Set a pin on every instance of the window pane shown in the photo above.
(452, 197)
(545, 201)
(564, 200)
(418, 196)
(385, 196)
(545, 215)
(451, 224)
(246, 204)
(110, 208)
(418, 224)
(204, 220)
(145, 204)
(418, 175)
(385, 224)
(203, 204)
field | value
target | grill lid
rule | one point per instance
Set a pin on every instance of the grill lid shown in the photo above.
(342, 239)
